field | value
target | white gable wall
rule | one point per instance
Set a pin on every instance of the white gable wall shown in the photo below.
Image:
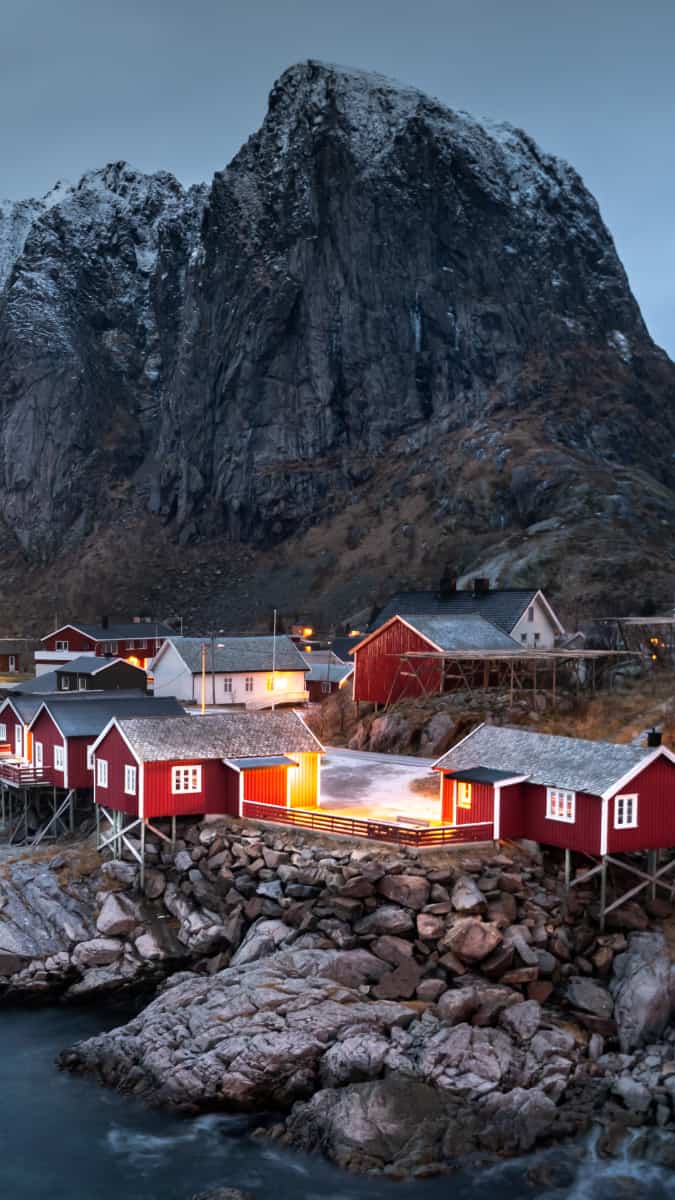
(172, 676)
(525, 629)
(230, 688)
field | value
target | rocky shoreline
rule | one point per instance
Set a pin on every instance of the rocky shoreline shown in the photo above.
(398, 1011)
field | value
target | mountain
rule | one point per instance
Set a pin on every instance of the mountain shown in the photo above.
(386, 337)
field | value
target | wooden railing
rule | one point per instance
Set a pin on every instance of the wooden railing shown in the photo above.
(378, 831)
(24, 774)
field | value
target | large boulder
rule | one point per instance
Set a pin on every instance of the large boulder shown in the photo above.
(642, 985)
(118, 915)
(412, 891)
(97, 952)
(471, 939)
(466, 896)
(586, 995)
(389, 918)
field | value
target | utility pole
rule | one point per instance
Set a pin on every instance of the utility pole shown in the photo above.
(274, 654)
(203, 678)
(213, 667)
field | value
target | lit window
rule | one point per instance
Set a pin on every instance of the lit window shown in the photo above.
(101, 772)
(560, 805)
(61, 645)
(3, 733)
(59, 758)
(90, 757)
(625, 812)
(463, 794)
(248, 683)
(130, 781)
(227, 683)
(186, 779)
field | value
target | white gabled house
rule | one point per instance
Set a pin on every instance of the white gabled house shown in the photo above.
(245, 672)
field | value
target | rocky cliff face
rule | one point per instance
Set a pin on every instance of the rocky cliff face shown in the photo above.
(386, 335)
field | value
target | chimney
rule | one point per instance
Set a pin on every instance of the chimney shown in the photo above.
(654, 737)
(482, 584)
(105, 621)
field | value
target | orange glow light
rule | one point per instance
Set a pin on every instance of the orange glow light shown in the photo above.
(307, 631)
(135, 662)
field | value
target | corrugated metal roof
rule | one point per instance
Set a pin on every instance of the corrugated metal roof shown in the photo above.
(254, 764)
(334, 672)
(85, 716)
(573, 763)
(503, 606)
(233, 655)
(219, 735)
(464, 631)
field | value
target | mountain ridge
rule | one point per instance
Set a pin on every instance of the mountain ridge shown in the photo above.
(373, 279)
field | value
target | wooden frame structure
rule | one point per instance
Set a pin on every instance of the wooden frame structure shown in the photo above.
(653, 877)
(114, 835)
(515, 671)
(640, 634)
(27, 792)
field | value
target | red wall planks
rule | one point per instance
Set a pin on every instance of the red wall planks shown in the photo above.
(266, 785)
(655, 790)
(378, 673)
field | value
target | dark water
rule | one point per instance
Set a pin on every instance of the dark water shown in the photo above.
(65, 1138)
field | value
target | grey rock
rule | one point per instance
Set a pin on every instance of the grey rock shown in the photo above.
(412, 891)
(583, 993)
(521, 1020)
(118, 915)
(99, 952)
(466, 896)
(643, 991)
(386, 919)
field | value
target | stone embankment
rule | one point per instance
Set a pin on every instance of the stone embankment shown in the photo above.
(398, 1010)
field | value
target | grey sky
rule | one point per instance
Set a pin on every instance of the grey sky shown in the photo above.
(180, 84)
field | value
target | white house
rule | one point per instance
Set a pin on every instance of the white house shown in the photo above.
(246, 672)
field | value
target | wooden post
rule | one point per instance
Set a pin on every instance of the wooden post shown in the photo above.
(143, 854)
(203, 697)
(554, 699)
(568, 869)
(603, 892)
(652, 860)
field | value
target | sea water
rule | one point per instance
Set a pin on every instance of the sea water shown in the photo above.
(63, 1137)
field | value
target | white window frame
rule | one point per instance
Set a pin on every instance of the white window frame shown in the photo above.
(249, 683)
(620, 811)
(3, 731)
(130, 776)
(82, 683)
(65, 683)
(325, 686)
(228, 684)
(59, 758)
(90, 757)
(12, 663)
(38, 755)
(62, 645)
(141, 644)
(18, 741)
(102, 772)
(557, 801)
(186, 779)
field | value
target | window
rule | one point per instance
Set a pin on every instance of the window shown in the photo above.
(530, 614)
(110, 647)
(12, 662)
(130, 781)
(248, 683)
(38, 755)
(625, 812)
(560, 805)
(523, 638)
(18, 740)
(102, 772)
(186, 779)
(140, 643)
(65, 683)
(463, 794)
(537, 636)
(227, 683)
(61, 645)
(269, 684)
(325, 686)
(90, 757)
(82, 683)
(59, 758)
(3, 732)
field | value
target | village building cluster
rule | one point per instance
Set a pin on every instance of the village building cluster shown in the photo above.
(143, 724)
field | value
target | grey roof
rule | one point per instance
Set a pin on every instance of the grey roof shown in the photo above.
(18, 645)
(91, 664)
(26, 706)
(334, 671)
(46, 682)
(253, 764)
(573, 763)
(232, 655)
(219, 735)
(503, 606)
(480, 775)
(342, 646)
(465, 631)
(87, 717)
(117, 632)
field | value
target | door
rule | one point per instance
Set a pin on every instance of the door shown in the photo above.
(18, 740)
(38, 755)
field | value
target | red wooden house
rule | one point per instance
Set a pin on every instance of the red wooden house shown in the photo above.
(596, 797)
(235, 764)
(379, 674)
(16, 714)
(135, 641)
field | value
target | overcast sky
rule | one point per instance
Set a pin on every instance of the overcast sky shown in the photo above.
(180, 84)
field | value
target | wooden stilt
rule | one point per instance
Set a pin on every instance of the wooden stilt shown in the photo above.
(603, 892)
